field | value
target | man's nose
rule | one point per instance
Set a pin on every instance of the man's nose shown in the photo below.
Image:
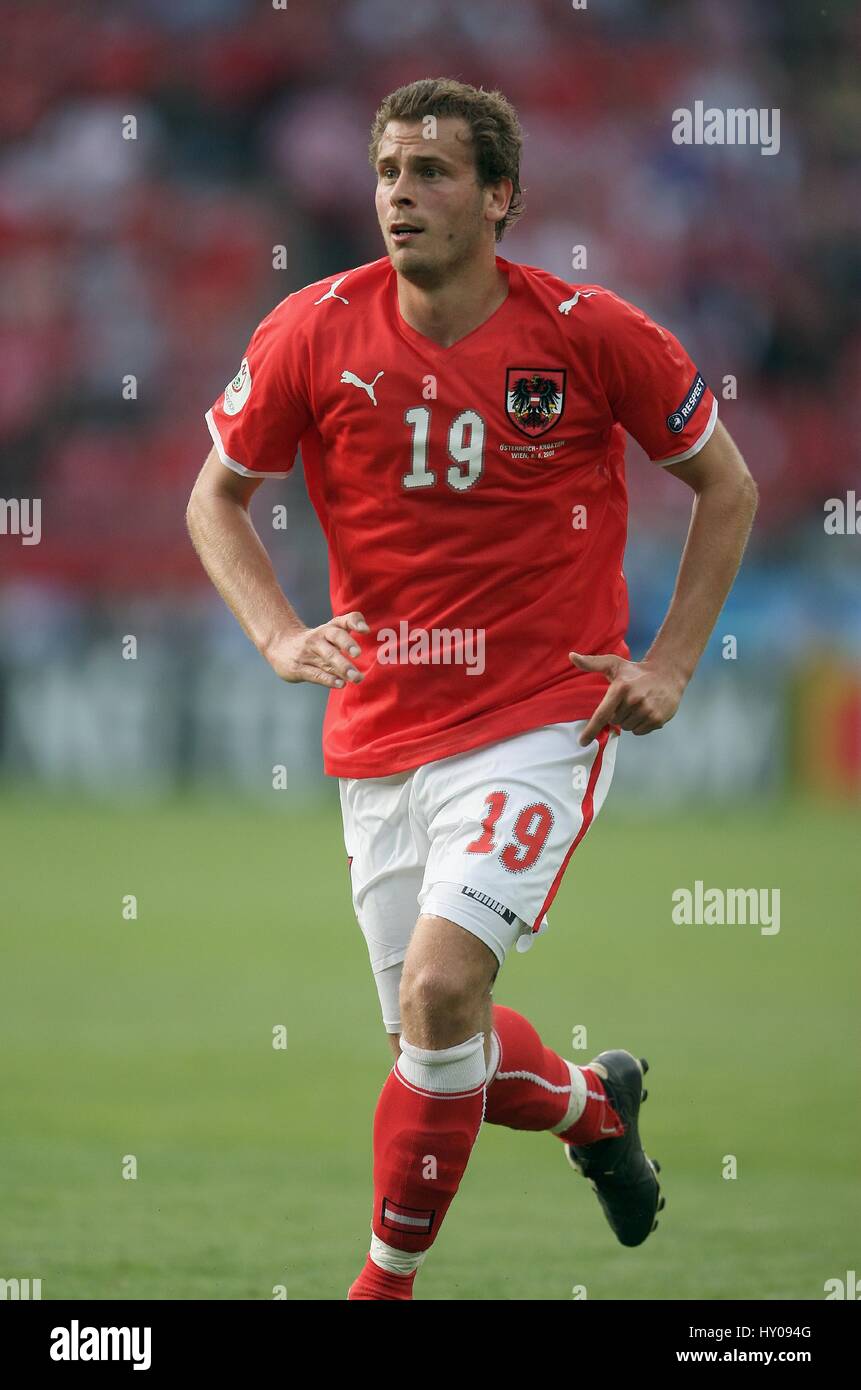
(401, 190)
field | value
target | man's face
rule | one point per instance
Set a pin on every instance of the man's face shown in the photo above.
(431, 184)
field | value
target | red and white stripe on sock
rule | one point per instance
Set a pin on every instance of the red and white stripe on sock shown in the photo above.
(427, 1120)
(529, 1086)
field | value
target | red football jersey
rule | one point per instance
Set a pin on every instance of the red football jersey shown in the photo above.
(472, 497)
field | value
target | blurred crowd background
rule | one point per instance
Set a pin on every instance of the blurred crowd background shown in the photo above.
(152, 257)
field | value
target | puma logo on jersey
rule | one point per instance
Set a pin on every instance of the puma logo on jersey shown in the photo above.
(568, 304)
(350, 379)
(330, 293)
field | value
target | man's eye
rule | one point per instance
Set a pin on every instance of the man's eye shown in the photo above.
(429, 169)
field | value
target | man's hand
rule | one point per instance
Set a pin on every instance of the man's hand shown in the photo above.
(642, 696)
(318, 654)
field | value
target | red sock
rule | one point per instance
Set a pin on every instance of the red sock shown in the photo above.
(532, 1087)
(427, 1120)
(374, 1282)
(599, 1120)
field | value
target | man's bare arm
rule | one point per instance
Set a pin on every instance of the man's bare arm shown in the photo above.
(644, 695)
(239, 566)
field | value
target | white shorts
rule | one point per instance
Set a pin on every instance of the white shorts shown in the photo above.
(481, 838)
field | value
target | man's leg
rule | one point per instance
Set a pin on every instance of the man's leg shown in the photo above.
(431, 1106)
(503, 826)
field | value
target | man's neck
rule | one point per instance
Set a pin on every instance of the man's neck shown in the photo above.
(447, 313)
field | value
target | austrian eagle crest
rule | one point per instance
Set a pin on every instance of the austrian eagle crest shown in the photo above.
(534, 398)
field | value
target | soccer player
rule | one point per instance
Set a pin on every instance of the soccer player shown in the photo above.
(461, 420)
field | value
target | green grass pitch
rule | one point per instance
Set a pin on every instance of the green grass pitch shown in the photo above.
(153, 1038)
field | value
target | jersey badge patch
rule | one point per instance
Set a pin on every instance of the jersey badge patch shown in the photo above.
(534, 398)
(679, 418)
(236, 392)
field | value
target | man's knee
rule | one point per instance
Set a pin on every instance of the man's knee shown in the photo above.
(434, 991)
(446, 982)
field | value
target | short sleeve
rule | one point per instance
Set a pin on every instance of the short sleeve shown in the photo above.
(653, 387)
(261, 415)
